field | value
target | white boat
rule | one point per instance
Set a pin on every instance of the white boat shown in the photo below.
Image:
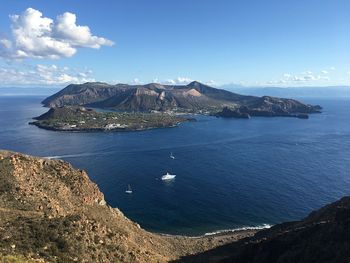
(168, 176)
(172, 156)
(128, 191)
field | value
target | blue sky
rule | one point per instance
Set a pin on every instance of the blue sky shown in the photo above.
(254, 43)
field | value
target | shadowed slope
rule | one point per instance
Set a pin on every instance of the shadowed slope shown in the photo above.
(323, 236)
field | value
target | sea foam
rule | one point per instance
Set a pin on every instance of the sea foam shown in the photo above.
(260, 227)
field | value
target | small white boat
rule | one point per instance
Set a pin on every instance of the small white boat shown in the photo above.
(128, 191)
(168, 176)
(172, 156)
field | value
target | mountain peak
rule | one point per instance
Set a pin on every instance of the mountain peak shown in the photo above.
(96, 83)
(154, 86)
(195, 84)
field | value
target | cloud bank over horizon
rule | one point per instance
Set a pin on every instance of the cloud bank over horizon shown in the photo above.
(43, 75)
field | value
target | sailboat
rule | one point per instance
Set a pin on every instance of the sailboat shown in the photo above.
(172, 156)
(128, 191)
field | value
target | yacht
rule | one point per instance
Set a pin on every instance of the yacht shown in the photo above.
(128, 191)
(168, 176)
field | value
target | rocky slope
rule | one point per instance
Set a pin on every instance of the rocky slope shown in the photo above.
(51, 212)
(194, 97)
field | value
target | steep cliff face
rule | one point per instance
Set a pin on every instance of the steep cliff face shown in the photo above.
(192, 97)
(51, 212)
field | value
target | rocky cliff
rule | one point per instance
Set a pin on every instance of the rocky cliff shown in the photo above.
(194, 97)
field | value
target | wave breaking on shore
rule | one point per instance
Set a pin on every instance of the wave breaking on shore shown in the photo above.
(223, 232)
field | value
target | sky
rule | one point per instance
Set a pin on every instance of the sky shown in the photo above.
(243, 42)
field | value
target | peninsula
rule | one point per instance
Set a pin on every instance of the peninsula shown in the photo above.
(72, 118)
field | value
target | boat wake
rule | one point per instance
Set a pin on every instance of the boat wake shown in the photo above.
(76, 155)
(69, 156)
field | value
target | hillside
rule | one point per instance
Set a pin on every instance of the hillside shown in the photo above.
(52, 212)
(194, 97)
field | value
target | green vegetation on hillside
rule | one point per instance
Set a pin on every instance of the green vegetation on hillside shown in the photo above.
(82, 119)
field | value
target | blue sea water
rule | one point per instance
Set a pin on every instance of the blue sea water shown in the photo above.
(231, 173)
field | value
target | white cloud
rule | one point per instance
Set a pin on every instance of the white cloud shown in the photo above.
(301, 79)
(42, 75)
(307, 72)
(309, 77)
(181, 81)
(332, 68)
(136, 81)
(5, 43)
(178, 81)
(66, 29)
(211, 83)
(35, 36)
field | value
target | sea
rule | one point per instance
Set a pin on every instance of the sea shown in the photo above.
(230, 173)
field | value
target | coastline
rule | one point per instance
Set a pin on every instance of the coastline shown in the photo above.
(98, 130)
(223, 232)
(81, 119)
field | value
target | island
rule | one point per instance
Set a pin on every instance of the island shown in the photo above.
(195, 97)
(97, 106)
(73, 118)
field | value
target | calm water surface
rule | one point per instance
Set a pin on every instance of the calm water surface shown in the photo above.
(231, 173)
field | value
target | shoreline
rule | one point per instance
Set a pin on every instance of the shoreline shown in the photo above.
(218, 233)
(100, 130)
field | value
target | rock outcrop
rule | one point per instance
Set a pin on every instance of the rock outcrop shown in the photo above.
(233, 113)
